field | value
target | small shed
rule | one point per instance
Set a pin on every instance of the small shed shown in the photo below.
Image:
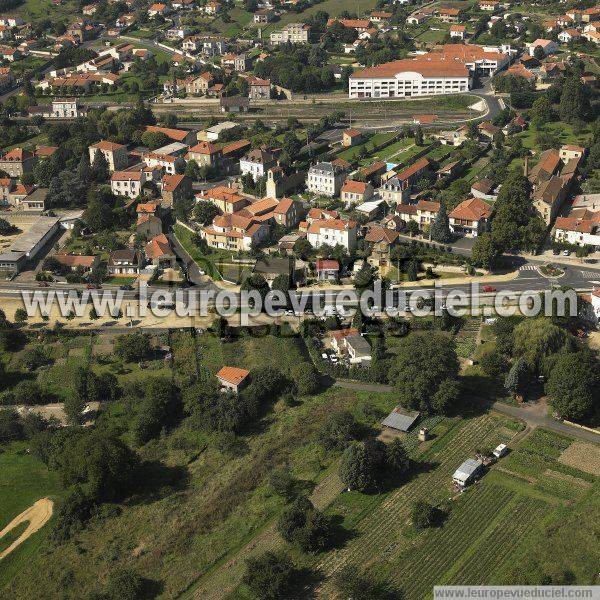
(400, 419)
(468, 472)
(233, 378)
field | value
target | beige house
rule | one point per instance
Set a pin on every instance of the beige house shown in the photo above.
(115, 154)
(351, 137)
(356, 191)
(293, 33)
(17, 161)
(199, 84)
(205, 154)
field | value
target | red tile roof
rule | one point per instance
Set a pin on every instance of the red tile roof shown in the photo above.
(354, 187)
(233, 375)
(176, 135)
(473, 209)
(106, 145)
(171, 182)
(322, 264)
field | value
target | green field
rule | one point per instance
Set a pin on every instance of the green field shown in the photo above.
(563, 131)
(23, 480)
(36, 10)
(332, 7)
(352, 153)
(489, 528)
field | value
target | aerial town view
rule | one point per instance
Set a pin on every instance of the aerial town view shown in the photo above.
(299, 299)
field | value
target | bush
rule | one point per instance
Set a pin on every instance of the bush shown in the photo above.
(305, 526)
(28, 392)
(73, 513)
(270, 576)
(306, 378)
(424, 515)
(362, 466)
(338, 431)
(133, 346)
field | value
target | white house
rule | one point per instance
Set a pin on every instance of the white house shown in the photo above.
(65, 108)
(470, 217)
(325, 179)
(257, 162)
(127, 183)
(579, 231)
(332, 232)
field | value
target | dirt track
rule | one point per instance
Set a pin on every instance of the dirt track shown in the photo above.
(37, 515)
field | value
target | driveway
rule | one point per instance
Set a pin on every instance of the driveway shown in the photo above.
(532, 414)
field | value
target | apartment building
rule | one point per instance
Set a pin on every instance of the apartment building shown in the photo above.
(294, 33)
(325, 179)
(115, 154)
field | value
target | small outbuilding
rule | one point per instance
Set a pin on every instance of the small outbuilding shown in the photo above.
(400, 419)
(468, 472)
(233, 378)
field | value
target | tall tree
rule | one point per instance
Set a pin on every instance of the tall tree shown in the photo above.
(423, 362)
(100, 167)
(574, 385)
(440, 226)
(573, 102)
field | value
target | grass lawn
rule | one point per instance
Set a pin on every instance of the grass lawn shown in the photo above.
(120, 280)
(379, 138)
(332, 7)
(187, 534)
(23, 480)
(491, 529)
(563, 131)
(36, 10)
(205, 261)
(435, 32)
(241, 18)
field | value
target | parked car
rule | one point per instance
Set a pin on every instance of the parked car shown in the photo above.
(126, 287)
(43, 284)
(489, 288)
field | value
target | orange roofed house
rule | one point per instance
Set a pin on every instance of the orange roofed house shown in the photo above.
(356, 191)
(235, 232)
(175, 135)
(115, 154)
(206, 154)
(17, 161)
(225, 198)
(470, 217)
(233, 378)
(159, 252)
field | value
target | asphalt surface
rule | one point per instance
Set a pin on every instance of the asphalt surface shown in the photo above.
(528, 279)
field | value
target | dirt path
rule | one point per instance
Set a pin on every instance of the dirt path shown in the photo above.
(37, 515)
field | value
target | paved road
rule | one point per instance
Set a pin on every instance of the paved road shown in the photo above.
(534, 419)
(528, 279)
(528, 414)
